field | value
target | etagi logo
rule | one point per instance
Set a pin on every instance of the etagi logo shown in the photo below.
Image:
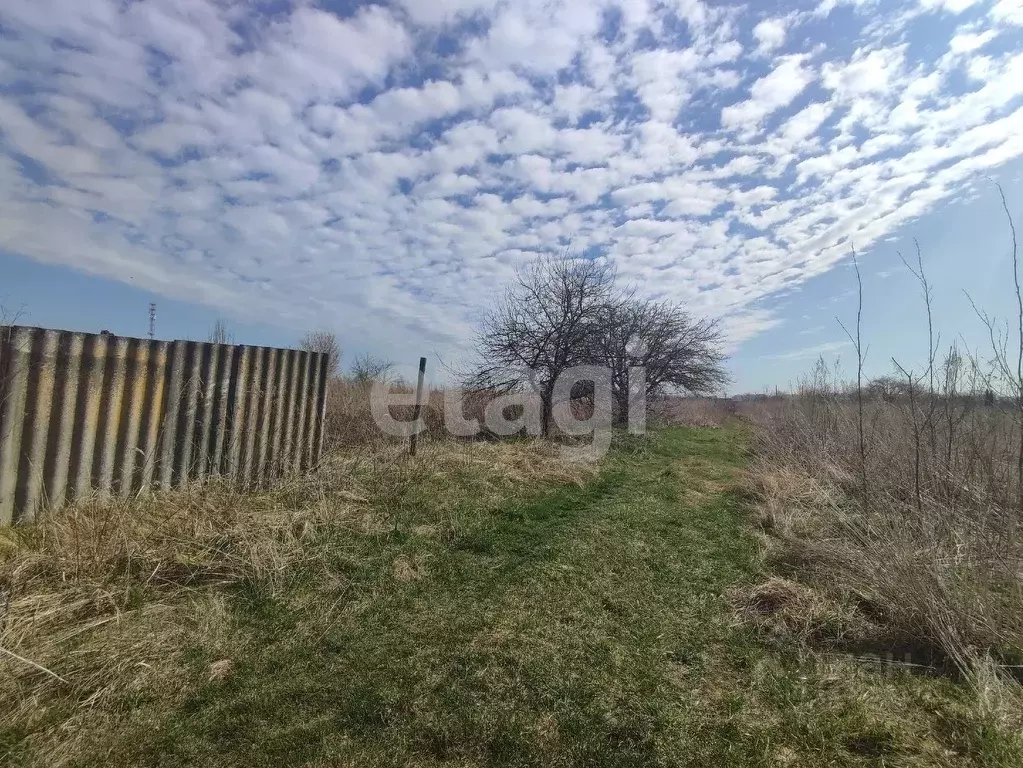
(519, 412)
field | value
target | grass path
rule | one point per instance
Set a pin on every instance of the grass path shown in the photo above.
(584, 626)
(572, 629)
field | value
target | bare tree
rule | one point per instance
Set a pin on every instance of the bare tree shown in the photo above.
(323, 342)
(219, 334)
(560, 313)
(932, 342)
(1007, 348)
(678, 353)
(861, 355)
(886, 388)
(366, 368)
(539, 328)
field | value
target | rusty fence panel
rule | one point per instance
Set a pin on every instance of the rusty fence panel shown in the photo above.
(110, 415)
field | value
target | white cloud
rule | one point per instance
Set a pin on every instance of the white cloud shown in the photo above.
(539, 36)
(439, 11)
(383, 169)
(572, 101)
(770, 93)
(951, 6)
(826, 349)
(968, 42)
(867, 73)
(522, 131)
(1008, 12)
(770, 34)
(805, 123)
(664, 80)
(329, 56)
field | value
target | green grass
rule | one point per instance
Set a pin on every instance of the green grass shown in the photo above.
(558, 632)
(587, 626)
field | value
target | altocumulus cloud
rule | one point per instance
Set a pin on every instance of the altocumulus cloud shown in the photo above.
(383, 168)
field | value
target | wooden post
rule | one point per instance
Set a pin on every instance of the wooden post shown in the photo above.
(419, 407)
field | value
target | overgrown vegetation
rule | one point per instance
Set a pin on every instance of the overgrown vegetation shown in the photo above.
(920, 564)
(890, 514)
(220, 333)
(484, 603)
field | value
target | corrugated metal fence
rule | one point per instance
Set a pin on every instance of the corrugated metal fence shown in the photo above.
(82, 412)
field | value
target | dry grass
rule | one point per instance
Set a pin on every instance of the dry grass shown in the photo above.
(944, 569)
(103, 600)
(917, 557)
(349, 421)
(711, 412)
(784, 608)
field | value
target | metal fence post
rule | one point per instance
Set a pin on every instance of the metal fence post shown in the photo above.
(419, 407)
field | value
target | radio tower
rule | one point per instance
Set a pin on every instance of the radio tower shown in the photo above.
(152, 319)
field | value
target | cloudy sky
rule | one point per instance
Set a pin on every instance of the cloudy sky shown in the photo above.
(381, 169)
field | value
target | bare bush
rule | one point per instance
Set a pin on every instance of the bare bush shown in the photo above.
(349, 423)
(367, 368)
(219, 333)
(7, 317)
(672, 410)
(324, 343)
(941, 566)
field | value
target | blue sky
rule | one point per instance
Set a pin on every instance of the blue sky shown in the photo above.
(380, 169)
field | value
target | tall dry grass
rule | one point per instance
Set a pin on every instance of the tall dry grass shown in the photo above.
(909, 550)
(671, 410)
(905, 543)
(935, 529)
(892, 509)
(349, 421)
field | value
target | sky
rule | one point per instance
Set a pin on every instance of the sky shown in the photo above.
(382, 169)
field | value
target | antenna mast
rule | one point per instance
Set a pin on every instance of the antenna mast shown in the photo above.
(152, 319)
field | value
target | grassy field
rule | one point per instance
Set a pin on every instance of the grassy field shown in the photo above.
(525, 618)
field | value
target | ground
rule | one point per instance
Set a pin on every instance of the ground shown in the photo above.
(585, 625)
